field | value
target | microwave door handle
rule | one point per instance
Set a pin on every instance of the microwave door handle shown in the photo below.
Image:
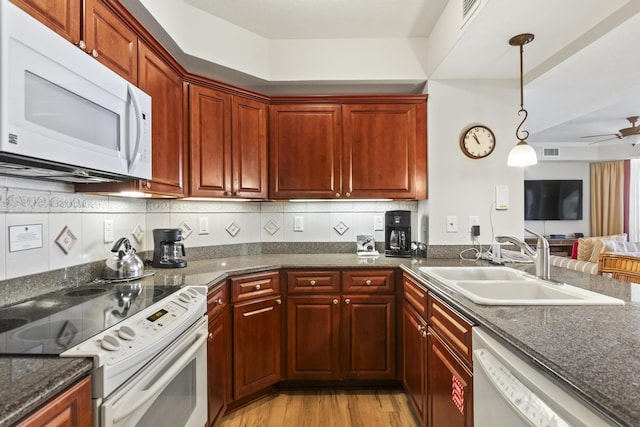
(160, 383)
(137, 111)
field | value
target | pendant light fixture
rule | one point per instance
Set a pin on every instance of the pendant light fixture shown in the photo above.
(522, 154)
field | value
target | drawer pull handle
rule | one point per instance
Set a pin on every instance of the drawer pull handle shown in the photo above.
(335, 302)
(347, 301)
(312, 282)
(257, 287)
(368, 282)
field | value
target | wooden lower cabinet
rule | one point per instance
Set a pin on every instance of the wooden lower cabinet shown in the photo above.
(449, 386)
(218, 367)
(256, 345)
(71, 408)
(334, 337)
(414, 360)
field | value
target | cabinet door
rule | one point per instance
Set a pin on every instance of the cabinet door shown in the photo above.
(218, 367)
(249, 148)
(414, 354)
(210, 142)
(72, 408)
(305, 151)
(449, 386)
(313, 338)
(256, 345)
(159, 80)
(384, 149)
(369, 328)
(62, 16)
(115, 43)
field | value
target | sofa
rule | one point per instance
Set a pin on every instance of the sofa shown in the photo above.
(587, 252)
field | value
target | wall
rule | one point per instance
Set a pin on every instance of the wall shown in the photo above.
(563, 170)
(25, 202)
(461, 186)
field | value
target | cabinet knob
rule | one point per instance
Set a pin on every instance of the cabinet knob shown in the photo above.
(367, 282)
(335, 301)
(227, 193)
(424, 334)
(348, 194)
(312, 282)
(278, 302)
(93, 53)
(81, 44)
(210, 336)
(257, 287)
(347, 301)
(337, 195)
(219, 301)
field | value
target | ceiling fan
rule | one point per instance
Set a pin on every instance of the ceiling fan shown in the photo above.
(631, 133)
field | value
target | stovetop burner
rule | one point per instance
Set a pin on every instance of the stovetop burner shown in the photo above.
(55, 322)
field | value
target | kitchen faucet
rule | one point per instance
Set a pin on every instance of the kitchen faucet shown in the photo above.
(540, 257)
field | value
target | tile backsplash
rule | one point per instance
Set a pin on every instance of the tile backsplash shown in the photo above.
(82, 216)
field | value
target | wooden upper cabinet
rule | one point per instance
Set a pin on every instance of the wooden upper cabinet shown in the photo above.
(228, 141)
(92, 26)
(357, 148)
(62, 16)
(210, 142)
(164, 85)
(305, 151)
(111, 39)
(249, 121)
(384, 151)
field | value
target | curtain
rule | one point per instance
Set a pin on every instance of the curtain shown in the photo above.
(634, 201)
(607, 198)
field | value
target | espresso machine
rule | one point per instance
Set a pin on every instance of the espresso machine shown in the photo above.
(167, 248)
(397, 234)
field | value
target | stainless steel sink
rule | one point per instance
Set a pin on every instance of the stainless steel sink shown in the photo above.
(507, 286)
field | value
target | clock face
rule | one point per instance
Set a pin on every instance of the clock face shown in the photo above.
(478, 142)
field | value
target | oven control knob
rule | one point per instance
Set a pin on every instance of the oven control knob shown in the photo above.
(110, 343)
(185, 297)
(127, 333)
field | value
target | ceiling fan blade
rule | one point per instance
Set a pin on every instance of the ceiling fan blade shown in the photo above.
(604, 140)
(604, 134)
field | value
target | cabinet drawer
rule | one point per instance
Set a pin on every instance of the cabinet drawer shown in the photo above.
(368, 281)
(415, 294)
(313, 281)
(254, 286)
(217, 300)
(452, 327)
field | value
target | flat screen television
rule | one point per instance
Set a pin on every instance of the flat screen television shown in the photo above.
(553, 200)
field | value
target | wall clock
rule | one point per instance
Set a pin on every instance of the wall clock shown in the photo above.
(477, 142)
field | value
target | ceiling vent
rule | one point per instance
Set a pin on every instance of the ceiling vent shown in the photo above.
(468, 6)
(550, 152)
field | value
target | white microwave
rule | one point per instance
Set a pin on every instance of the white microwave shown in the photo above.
(63, 115)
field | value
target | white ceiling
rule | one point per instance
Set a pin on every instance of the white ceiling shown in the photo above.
(582, 74)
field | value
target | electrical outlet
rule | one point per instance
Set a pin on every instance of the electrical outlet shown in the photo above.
(452, 224)
(378, 223)
(108, 230)
(203, 225)
(298, 223)
(473, 220)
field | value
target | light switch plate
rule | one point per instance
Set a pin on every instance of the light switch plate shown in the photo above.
(203, 225)
(378, 223)
(298, 223)
(108, 230)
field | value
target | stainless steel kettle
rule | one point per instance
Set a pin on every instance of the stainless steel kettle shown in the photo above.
(124, 264)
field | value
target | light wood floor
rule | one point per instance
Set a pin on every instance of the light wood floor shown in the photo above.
(326, 408)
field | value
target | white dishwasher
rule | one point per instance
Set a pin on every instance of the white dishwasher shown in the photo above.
(511, 392)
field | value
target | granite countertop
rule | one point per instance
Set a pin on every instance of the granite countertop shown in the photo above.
(28, 382)
(592, 349)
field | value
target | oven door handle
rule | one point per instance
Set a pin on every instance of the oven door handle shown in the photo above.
(160, 383)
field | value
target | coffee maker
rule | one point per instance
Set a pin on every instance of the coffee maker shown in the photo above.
(167, 247)
(397, 234)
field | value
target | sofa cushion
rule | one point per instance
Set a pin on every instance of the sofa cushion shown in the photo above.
(606, 245)
(585, 245)
(574, 264)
